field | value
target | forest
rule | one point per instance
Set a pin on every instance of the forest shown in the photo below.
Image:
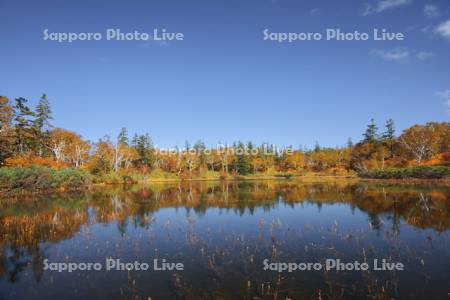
(35, 153)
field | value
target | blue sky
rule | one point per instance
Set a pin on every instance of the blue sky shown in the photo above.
(223, 82)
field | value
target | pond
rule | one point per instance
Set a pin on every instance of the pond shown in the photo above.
(228, 240)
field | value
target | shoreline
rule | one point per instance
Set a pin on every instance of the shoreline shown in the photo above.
(299, 179)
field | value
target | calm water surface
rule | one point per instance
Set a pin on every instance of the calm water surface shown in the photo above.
(222, 233)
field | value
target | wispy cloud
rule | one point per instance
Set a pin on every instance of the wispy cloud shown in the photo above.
(427, 28)
(446, 96)
(401, 54)
(444, 29)
(431, 11)
(314, 11)
(382, 5)
(397, 54)
(423, 55)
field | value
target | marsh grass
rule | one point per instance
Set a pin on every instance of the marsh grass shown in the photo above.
(42, 178)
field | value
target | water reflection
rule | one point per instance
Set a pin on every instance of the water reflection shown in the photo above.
(224, 230)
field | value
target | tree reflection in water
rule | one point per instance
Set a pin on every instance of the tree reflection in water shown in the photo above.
(30, 225)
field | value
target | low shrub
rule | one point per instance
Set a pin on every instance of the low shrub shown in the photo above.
(158, 174)
(109, 178)
(420, 172)
(39, 178)
(211, 175)
(284, 175)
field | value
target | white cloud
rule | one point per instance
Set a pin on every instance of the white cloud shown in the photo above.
(383, 5)
(427, 28)
(444, 29)
(445, 95)
(314, 11)
(422, 55)
(401, 54)
(396, 54)
(431, 11)
(447, 106)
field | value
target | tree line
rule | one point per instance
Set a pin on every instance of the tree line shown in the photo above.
(27, 137)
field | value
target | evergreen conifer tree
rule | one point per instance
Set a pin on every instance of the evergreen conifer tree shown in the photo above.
(371, 134)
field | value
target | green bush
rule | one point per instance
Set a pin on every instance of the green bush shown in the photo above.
(158, 174)
(38, 178)
(421, 172)
(109, 178)
(284, 175)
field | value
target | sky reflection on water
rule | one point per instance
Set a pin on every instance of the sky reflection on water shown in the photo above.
(222, 232)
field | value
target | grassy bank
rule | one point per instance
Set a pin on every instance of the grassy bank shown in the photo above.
(38, 179)
(160, 176)
(42, 178)
(420, 172)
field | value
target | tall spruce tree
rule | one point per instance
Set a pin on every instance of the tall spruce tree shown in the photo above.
(41, 125)
(371, 134)
(6, 129)
(200, 147)
(388, 137)
(389, 133)
(122, 138)
(24, 132)
(349, 143)
(43, 114)
(144, 147)
(243, 166)
(317, 147)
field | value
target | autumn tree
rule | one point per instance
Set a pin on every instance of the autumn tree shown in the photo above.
(213, 159)
(101, 161)
(367, 155)
(423, 141)
(68, 147)
(418, 142)
(225, 158)
(374, 150)
(123, 154)
(190, 158)
(442, 136)
(294, 161)
(324, 159)
(28, 138)
(362, 156)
